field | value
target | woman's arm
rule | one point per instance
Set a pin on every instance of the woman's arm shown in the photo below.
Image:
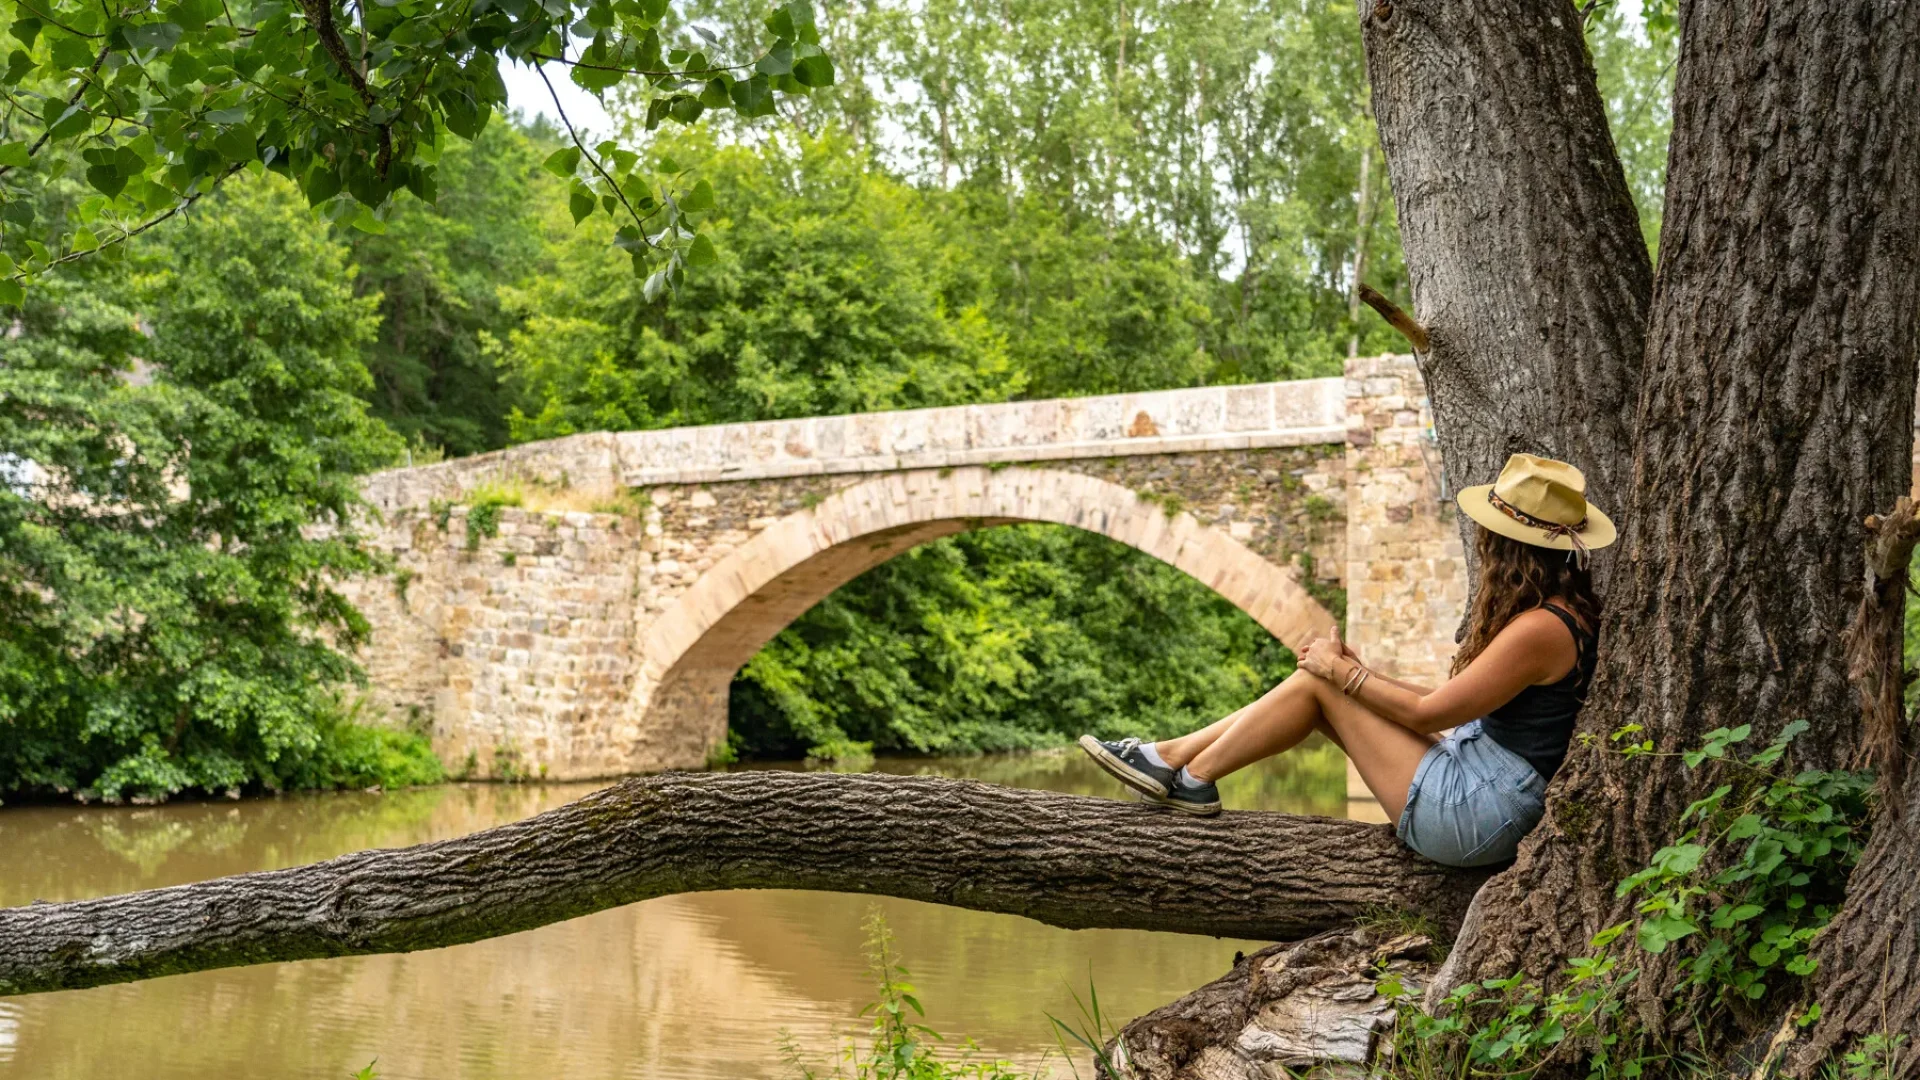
(1534, 648)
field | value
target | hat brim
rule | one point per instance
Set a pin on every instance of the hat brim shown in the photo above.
(1473, 502)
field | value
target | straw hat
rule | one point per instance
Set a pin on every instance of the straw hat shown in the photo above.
(1542, 502)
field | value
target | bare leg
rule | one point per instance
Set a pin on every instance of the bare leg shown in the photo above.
(1275, 703)
(1385, 753)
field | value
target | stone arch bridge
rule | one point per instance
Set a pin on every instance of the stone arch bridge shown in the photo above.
(594, 629)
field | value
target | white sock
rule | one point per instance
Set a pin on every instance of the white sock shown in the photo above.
(1189, 777)
(1148, 751)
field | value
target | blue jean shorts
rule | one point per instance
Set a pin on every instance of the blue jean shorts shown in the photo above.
(1471, 801)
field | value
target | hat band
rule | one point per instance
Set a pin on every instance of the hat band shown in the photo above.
(1553, 529)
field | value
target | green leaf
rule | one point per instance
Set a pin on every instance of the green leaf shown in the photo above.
(158, 35)
(580, 203)
(106, 179)
(714, 94)
(752, 97)
(656, 284)
(7, 269)
(367, 223)
(26, 30)
(12, 293)
(15, 154)
(235, 144)
(563, 162)
(70, 123)
(777, 61)
(700, 198)
(701, 252)
(18, 65)
(322, 183)
(686, 109)
(596, 79)
(71, 52)
(1679, 859)
(813, 71)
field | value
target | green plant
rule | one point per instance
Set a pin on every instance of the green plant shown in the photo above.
(1758, 870)
(900, 1046)
(509, 558)
(1877, 1057)
(366, 1072)
(1090, 1030)
(507, 767)
(1169, 504)
(483, 510)
(402, 577)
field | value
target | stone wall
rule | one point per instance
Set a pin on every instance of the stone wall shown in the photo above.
(594, 631)
(1406, 579)
(1406, 575)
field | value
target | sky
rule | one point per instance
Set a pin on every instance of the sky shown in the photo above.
(527, 93)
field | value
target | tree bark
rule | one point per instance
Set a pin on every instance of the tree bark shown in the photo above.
(1308, 1008)
(1523, 248)
(1776, 414)
(1068, 860)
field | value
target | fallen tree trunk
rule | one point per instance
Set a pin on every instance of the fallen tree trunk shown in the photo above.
(1068, 860)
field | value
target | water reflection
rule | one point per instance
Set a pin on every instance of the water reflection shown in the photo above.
(680, 987)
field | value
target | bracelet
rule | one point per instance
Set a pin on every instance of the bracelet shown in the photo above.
(1365, 674)
(1354, 678)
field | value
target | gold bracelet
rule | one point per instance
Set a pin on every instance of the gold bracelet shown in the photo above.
(1354, 678)
(1365, 674)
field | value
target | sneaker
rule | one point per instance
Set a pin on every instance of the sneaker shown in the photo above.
(1199, 797)
(1129, 766)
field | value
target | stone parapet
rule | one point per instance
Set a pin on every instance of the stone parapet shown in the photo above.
(1202, 420)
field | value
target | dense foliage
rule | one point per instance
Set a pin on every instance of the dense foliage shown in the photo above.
(173, 427)
(157, 103)
(941, 224)
(1006, 639)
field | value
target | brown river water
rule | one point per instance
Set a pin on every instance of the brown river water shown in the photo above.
(695, 987)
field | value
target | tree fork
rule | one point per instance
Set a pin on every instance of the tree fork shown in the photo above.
(1775, 415)
(1069, 860)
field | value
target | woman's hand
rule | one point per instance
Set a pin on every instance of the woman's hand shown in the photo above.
(1346, 650)
(1321, 655)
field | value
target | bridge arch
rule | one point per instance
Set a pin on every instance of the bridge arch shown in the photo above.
(691, 651)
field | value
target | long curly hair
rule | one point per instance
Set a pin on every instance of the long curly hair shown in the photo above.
(1515, 578)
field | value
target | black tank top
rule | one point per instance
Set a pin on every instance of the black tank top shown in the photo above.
(1538, 723)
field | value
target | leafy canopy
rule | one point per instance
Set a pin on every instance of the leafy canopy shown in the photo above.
(156, 103)
(172, 431)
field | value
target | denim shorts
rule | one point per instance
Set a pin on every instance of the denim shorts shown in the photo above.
(1471, 801)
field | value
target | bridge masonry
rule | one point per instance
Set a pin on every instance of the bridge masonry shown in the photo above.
(594, 629)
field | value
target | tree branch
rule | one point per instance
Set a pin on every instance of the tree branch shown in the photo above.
(1396, 318)
(1068, 860)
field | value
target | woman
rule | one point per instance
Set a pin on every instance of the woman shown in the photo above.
(1518, 681)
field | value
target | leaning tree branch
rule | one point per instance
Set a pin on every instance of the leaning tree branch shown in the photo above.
(1068, 860)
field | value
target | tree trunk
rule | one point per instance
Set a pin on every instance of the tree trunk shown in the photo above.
(1776, 414)
(1068, 860)
(1523, 248)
